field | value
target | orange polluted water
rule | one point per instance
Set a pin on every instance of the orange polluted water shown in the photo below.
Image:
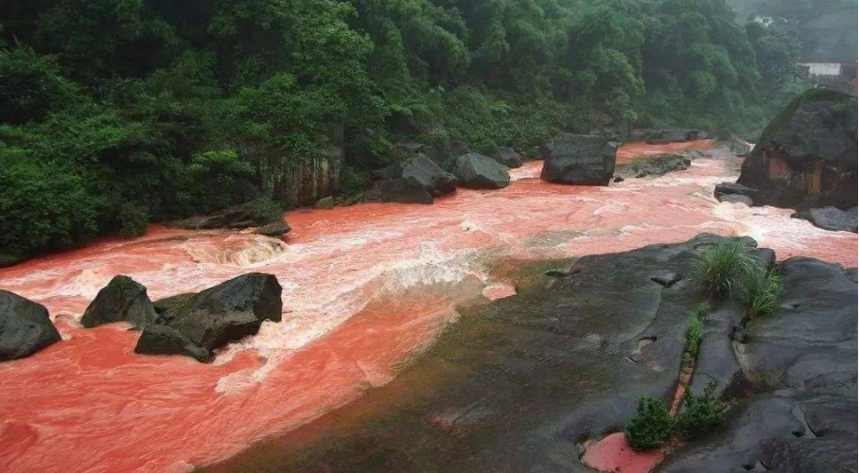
(365, 289)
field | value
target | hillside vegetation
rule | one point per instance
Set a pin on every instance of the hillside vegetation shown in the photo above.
(117, 113)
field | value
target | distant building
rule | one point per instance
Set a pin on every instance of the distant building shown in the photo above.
(836, 74)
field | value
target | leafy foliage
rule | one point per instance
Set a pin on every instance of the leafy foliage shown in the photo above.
(701, 413)
(651, 426)
(137, 110)
(693, 335)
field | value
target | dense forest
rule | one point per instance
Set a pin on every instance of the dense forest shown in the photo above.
(118, 113)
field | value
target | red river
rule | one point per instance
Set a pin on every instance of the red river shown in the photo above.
(365, 288)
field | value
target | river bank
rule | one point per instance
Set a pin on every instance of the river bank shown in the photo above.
(366, 288)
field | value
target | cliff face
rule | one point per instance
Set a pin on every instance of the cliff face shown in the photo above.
(299, 182)
(806, 157)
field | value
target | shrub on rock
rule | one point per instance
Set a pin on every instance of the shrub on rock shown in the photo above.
(701, 414)
(721, 268)
(651, 426)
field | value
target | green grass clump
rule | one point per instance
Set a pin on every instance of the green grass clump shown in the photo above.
(701, 414)
(763, 291)
(721, 268)
(693, 335)
(651, 426)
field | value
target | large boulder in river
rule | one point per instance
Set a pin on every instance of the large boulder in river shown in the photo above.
(122, 300)
(25, 327)
(509, 157)
(421, 168)
(586, 160)
(212, 318)
(405, 191)
(806, 157)
(655, 165)
(477, 171)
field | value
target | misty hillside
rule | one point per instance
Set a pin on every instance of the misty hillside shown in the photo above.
(826, 28)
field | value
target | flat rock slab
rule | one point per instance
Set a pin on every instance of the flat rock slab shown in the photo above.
(831, 218)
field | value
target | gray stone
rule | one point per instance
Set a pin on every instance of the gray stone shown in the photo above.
(25, 327)
(122, 300)
(580, 160)
(509, 157)
(477, 171)
(830, 218)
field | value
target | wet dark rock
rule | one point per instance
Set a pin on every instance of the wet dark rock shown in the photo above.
(212, 318)
(725, 189)
(164, 340)
(737, 199)
(456, 149)
(656, 165)
(167, 307)
(580, 160)
(274, 229)
(122, 300)
(477, 171)
(236, 217)
(509, 157)
(830, 218)
(666, 278)
(406, 191)
(668, 135)
(25, 327)
(420, 168)
(325, 203)
(806, 157)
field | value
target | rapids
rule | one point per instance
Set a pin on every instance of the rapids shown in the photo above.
(365, 288)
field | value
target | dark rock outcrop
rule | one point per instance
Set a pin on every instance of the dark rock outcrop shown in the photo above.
(509, 157)
(580, 159)
(122, 300)
(25, 327)
(325, 203)
(406, 191)
(668, 135)
(274, 229)
(806, 157)
(830, 218)
(517, 384)
(402, 175)
(731, 192)
(198, 324)
(656, 165)
(236, 217)
(477, 171)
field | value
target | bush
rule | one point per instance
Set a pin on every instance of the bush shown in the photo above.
(651, 426)
(721, 268)
(763, 291)
(133, 218)
(264, 211)
(701, 414)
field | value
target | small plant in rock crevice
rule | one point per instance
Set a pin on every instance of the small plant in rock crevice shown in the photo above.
(651, 426)
(694, 335)
(701, 413)
(763, 289)
(721, 268)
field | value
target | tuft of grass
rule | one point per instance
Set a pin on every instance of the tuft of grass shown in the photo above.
(651, 426)
(763, 291)
(693, 335)
(701, 414)
(721, 268)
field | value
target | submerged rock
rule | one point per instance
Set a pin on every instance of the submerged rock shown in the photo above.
(509, 157)
(477, 171)
(212, 318)
(656, 165)
(830, 218)
(25, 327)
(122, 300)
(806, 157)
(580, 159)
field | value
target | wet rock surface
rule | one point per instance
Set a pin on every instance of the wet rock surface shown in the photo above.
(25, 327)
(122, 300)
(477, 171)
(581, 160)
(509, 157)
(806, 157)
(197, 324)
(520, 383)
(655, 165)
(399, 181)
(830, 218)
(406, 191)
